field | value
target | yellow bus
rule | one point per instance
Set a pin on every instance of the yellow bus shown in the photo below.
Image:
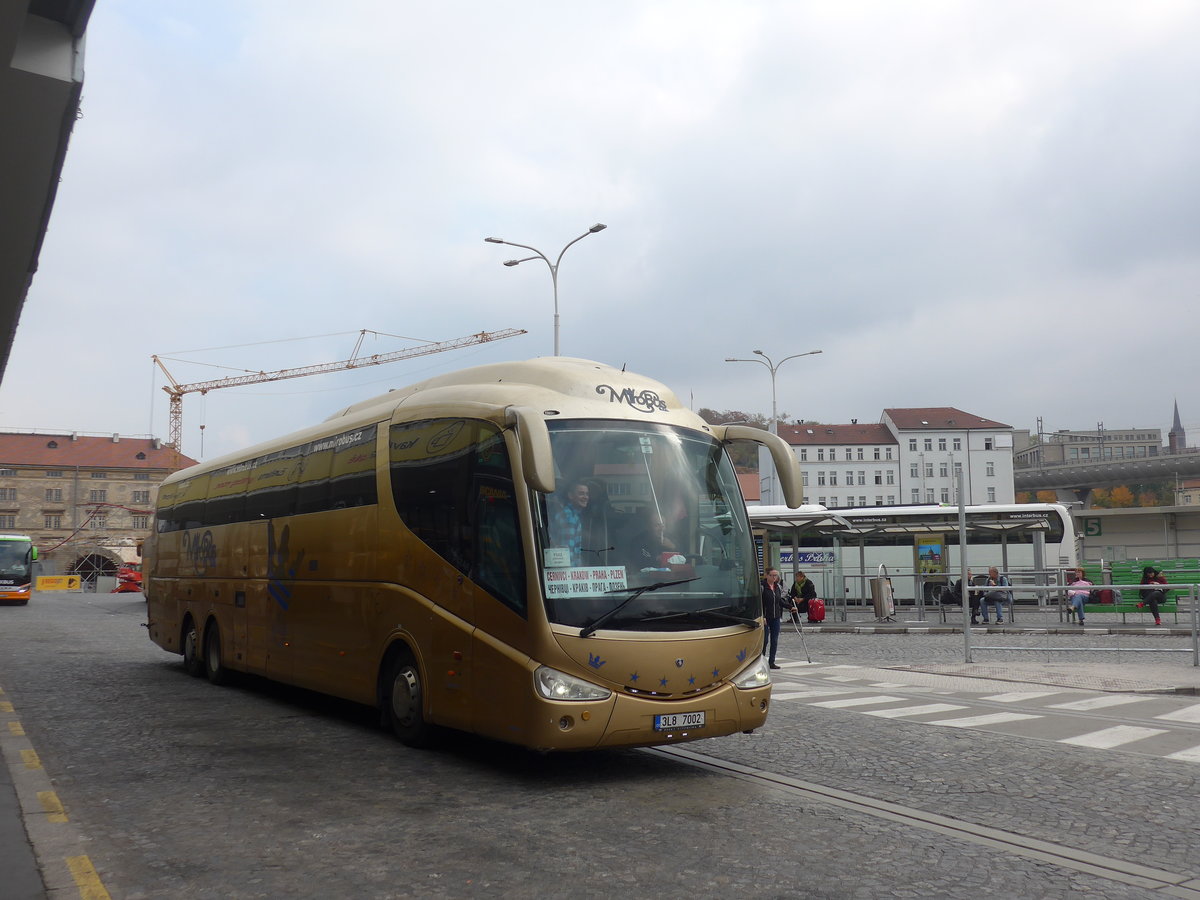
(553, 553)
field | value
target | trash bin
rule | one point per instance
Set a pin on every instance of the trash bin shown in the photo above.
(881, 598)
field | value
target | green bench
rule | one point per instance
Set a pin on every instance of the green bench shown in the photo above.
(1126, 575)
(1126, 598)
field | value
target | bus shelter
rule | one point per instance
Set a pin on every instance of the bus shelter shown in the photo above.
(859, 536)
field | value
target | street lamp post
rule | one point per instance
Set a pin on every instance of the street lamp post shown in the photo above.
(538, 254)
(773, 367)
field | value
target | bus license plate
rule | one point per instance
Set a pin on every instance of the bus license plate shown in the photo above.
(677, 721)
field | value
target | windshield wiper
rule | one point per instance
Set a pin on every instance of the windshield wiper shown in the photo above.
(637, 592)
(714, 613)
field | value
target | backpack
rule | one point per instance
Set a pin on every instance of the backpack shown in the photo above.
(816, 610)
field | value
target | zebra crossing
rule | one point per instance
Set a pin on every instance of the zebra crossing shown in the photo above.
(1160, 725)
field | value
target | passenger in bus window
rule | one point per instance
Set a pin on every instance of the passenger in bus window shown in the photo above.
(645, 548)
(566, 520)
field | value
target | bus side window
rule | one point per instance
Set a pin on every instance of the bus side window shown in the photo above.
(500, 562)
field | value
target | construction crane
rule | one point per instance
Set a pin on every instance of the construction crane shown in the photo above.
(175, 390)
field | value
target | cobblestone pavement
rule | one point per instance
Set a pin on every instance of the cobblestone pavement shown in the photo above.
(182, 789)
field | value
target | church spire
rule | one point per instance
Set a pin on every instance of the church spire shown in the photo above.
(1177, 437)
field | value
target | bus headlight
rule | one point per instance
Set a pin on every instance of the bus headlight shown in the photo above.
(555, 685)
(756, 676)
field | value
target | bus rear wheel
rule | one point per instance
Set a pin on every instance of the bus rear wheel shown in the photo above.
(193, 662)
(214, 666)
(405, 703)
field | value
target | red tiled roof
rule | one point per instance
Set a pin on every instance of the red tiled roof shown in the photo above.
(751, 487)
(88, 452)
(878, 435)
(939, 418)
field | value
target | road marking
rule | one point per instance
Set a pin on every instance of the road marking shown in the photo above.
(924, 710)
(53, 806)
(888, 684)
(1107, 738)
(856, 701)
(6, 707)
(1192, 755)
(1097, 702)
(1017, 696)
(992, 719)
(86, 879)
(31, 760)
(16, 729)
(1187, 714)
(801, 695)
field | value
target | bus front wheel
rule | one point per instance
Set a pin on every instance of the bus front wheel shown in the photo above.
(193, 662)
(405, 703)
(214, 666)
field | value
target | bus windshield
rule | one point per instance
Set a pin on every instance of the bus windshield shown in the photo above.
(15, 558)
(648, 518)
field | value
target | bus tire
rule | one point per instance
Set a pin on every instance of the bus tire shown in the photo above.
(405, 702)
(193, 662)
(214, 665)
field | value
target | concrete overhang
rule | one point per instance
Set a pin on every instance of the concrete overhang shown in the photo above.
(41, 78)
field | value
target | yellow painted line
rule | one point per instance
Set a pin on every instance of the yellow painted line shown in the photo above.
(31, 759)
(86, 879)
(53, 806)
(17, 729)
(5, 706)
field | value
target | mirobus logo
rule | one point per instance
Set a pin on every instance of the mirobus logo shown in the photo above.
(647, 401)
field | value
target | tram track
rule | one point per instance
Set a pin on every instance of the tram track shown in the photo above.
(1170, 884)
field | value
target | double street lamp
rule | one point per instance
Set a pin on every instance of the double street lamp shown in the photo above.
(538, 254)
(773, 367)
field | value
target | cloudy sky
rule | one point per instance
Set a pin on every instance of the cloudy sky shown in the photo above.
(988, 206)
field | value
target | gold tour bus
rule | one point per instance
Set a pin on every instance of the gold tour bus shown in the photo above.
(553, 553)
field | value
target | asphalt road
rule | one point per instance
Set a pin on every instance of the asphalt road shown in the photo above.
(170, 787)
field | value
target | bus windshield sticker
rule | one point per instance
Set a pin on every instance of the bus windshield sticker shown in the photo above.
(556, 557)
(584, 581)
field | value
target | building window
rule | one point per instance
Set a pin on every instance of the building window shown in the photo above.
(991, 469)
(943, 470)
(804, 477)
(8, 521)
(97, 523)
(891, 477)
(876, 453)
(889, 452)
(957, 443)
(99, 496)
(804, 454)
(833, 501)
(847, 453)
(991, 495)
(833, 479)
(54, 473)
(862, 479)
(941, 443)
(928, 470)
(54, 495)
(820, 454)
(141, 476)
(879, 500)
(916, 495)
(142, 522)
(878, 477)
(821, 501)
(8, 473)
(891, 499)
(8, 493)
(989, 443)
(945, 495)
(53, 522)
(141, 497)
(99, 474)
(929, 495)
(912, 444)
(914, 471)
(821, 478)
(928, 443)
(859, 452)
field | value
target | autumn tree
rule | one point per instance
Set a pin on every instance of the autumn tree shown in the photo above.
(1121, 497)
(744, 455)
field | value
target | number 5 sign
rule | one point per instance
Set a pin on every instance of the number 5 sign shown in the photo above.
(1091, 527)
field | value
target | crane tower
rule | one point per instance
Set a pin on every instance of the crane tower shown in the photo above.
(175, 390)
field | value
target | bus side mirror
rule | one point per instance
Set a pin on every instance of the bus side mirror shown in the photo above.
(781, 454)
(537, 458)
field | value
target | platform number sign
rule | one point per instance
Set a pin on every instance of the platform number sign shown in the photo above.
(1091, 527)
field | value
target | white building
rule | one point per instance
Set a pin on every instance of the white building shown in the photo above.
(910, 457)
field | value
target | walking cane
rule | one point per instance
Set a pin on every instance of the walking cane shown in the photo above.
(800, 631)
